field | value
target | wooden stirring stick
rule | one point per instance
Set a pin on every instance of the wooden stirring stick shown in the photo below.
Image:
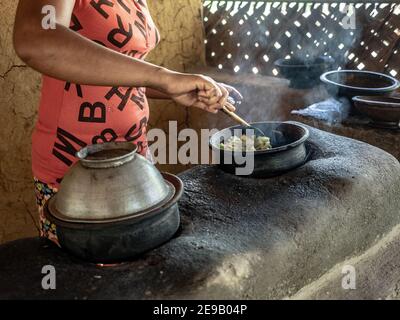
(233, 115)
(238, 119)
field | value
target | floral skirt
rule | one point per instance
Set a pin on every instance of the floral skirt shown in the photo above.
(43, 193)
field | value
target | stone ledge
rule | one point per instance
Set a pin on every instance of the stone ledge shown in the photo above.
(241, 238)
(386, 139)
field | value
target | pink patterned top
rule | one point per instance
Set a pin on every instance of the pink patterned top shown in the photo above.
(72, 116)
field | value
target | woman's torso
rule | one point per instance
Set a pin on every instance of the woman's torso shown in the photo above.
(72, 116)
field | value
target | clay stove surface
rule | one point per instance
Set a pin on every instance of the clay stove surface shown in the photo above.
(358, 127)
(241, 238)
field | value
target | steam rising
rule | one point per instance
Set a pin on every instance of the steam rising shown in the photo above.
(266, 31)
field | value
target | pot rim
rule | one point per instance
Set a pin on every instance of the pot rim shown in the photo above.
(368, 100)
(112, 162)
(304, 138)
(394, 86)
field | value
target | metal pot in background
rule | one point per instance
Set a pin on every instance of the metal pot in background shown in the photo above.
(114, 204)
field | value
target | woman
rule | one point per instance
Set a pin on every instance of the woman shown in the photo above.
(96, 82)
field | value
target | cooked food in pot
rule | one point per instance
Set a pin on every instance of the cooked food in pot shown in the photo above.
(246, 143)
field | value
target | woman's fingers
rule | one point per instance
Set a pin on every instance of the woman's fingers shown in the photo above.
(228, 93)
(201, 105)
(216, 104)
(218, 94)
(208, 107)
(213, 96)
(210, 101)
(205, 107)
(214, 108)
(230, 107)
(233, 92)
(202, 93)
(211, 88)
(225, 94)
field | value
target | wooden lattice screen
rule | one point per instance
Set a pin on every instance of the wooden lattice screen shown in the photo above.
(248, 36)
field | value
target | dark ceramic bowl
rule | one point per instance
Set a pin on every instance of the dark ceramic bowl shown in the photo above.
(288, 149)
(304, 74)
(351, 83)
(384, 110)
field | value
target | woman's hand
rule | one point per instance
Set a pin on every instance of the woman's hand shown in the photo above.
(198, 91)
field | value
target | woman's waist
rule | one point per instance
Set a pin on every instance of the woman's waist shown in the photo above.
(126, 129)
(91, 112)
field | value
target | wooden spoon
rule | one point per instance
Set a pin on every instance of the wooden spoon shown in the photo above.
(238, 119)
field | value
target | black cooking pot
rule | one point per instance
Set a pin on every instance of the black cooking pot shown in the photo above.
(304, 73)
(123, 239)
(351, 83)
(288, 151)
(383, 111)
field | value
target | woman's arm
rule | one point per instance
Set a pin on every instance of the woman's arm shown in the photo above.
(64, 54)
(155, 94)
(236, 95)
